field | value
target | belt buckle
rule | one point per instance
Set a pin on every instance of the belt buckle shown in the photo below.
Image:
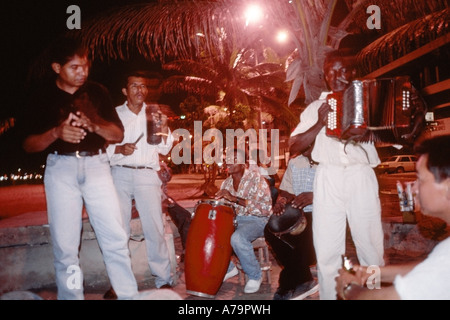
(77, 154)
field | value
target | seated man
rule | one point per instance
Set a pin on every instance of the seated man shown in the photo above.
(253, 204)
(261, 165)
(428, 279)
(294, 250)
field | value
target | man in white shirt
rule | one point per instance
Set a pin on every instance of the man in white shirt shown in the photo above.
(345, 186)
(135, 165)
(427, 280)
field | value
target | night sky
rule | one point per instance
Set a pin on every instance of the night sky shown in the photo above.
(27, 28)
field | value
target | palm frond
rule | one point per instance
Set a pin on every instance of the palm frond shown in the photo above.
(189, 84)
(191, 67)
(407, 38)
(163, 31)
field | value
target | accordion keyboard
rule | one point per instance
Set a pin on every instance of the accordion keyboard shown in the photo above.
(332, 115)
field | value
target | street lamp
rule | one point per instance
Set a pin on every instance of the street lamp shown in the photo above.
(282, 36)
(253, 14)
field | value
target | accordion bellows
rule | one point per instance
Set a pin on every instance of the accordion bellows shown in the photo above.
(377, 110)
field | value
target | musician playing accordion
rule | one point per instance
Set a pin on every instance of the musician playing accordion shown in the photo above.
(345, 186)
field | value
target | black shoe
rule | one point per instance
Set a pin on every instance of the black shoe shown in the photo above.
(110, 294)
(282, 294)
(305, 290)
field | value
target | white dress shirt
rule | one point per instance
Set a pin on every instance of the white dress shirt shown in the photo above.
(145, 154)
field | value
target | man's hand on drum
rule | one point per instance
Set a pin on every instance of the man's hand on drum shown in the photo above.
(279, 206)
(302, 200)
(225, 194)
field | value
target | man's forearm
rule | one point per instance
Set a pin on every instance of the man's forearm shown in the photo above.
(389, 273)
(355, 292)
(110, 132)
(303, 141)
(39, 142)
(285, 196)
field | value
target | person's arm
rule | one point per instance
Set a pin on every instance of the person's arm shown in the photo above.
(302, 200)
(283, 199)
(226, 194)
(299, 143)
(66, 131)
(108, 130)
(126, 149)
(166, 143)
(356, 292)
(388, 273)
(352, 286)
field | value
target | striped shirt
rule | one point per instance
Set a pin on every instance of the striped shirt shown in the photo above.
(299, 178)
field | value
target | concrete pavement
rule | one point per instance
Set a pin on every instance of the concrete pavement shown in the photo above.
(25, 254)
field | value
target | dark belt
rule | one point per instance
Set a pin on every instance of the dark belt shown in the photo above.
(80, 154)
(133, 167)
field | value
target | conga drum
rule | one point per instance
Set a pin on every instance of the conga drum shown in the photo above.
(208, 247)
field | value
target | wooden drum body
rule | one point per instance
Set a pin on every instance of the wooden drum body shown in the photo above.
(208, 247)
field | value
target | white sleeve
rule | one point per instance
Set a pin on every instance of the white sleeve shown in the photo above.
(429, 280)
(308, 117)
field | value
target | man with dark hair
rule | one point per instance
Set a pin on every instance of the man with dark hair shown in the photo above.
(345, 186)
(250, 193)
(72, 119)
(135, 165)
(422, 280)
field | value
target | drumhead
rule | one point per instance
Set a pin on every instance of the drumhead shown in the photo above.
(292, 221)
(215, 202)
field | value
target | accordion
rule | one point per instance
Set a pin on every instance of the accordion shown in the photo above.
(377, 110)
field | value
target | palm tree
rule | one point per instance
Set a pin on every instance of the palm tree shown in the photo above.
(167, 30)
(239, 81)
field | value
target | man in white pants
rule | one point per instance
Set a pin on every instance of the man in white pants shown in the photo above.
(135, 166)
(345, 186)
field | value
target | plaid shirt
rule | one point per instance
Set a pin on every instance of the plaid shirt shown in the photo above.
(299, 178)
(254, 188)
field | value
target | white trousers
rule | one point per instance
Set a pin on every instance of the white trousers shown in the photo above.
(144, 186)
(341, 194)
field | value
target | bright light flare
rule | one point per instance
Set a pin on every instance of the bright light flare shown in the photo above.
(282, 36)
(253, 14)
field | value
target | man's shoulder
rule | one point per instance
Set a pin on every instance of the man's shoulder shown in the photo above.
(94, 87)
(318, 102)
(122, 107)
(253, 175)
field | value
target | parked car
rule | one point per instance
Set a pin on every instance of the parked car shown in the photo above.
(398, 164)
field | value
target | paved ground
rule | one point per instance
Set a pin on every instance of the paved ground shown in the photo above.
(232, 289)
(185, 189)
